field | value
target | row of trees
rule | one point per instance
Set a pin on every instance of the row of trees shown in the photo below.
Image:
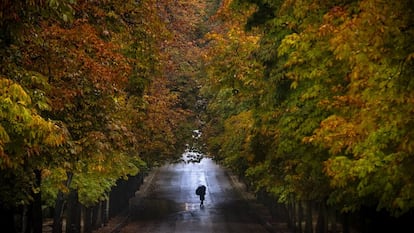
(322, 96)
(84, 102)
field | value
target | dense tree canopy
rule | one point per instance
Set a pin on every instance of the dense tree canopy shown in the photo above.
(83, 96)
(332, 118)
(308, 100)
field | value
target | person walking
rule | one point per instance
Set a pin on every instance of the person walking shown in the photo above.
(201, 191)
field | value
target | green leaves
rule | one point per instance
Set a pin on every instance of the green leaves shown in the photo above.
(70, 62)
(335, 101)
(22, 126)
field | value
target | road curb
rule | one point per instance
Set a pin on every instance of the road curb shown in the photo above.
(143, 189)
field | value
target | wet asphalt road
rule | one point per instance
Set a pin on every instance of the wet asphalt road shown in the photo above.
(170, 204)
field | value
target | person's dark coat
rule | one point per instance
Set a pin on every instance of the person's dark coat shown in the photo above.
(201, 191)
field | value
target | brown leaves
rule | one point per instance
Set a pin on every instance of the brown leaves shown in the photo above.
(78, 62)
(87, 54)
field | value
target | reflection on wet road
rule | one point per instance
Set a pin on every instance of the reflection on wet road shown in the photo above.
(171, 205)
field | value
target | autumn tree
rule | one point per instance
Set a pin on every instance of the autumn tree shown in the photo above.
(28, 136)
(370, 129)
(232, 86)
(73, 64)
(333, 113)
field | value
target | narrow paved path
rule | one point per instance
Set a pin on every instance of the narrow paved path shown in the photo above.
(169, 203)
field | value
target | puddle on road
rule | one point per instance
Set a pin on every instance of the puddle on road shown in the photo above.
(158, 208)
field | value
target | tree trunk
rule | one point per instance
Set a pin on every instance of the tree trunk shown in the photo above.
(26, 220)
(87, 219)
(300, 216)
(59, 207)
(7, 219)
(308, 218)
(27, 224)
(334, 228)
(322, 225)
(116, 198)
(105, 212)
(293, 216)
(36, 212)
(32, 219)
(290, 212)
(58, 213)
(95, 216)
(345, 223)
(74, 213)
